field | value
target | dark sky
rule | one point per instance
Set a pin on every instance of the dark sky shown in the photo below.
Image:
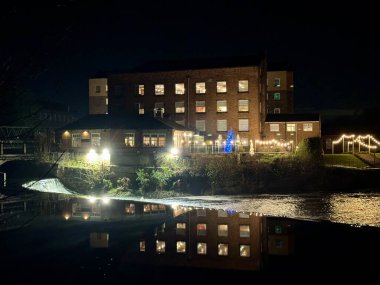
(53, 47)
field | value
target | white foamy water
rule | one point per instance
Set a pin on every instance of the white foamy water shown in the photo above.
(51, 185)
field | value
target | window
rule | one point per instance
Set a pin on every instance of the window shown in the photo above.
(245, 250)
(221, 125)
(243, 105)
(129, 140)
(130, 209)
(221, 106)
(243, 85)
(180, 88)
(159, 109)
(278, 229)
(147, 208)
(181, 229)
(223, 230)
(223, 249)
(140, 89)
(291, 127)
(222, 214)
(200, 125)
(95, 139)
(98, 88)
(106, 101)
(202, 248)
(276, 110)
(243, 125)
(155, 140)
(181, 122)
(181, 246)
(201, 213)
(244, 230)
(142, 245)
(140, 108)
(201, 229)
(180, 107)
(277, 96)
(274, 127)
(243, 216)
(76, 140)
(221, 87)
(159, 89)
(200, 106)
(159, 105)
(277, 82)
(200, 87)
(160, 246)
(308, 127)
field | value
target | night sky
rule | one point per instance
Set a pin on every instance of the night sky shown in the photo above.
(53, 47)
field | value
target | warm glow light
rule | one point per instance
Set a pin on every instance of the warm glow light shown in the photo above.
(174, 151)
(85, 216)
(106, 200)
(92, 156)
(106, 155)
(92, 199)
(66, 216)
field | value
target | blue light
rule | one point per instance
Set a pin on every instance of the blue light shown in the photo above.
(229, 141)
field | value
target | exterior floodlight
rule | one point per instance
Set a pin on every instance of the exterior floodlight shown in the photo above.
(105, 200)
(92, 199)
(174, 151)
(92, 156)
(106, 155)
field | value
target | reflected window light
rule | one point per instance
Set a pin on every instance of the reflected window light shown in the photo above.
(223, 230)
(130, 209)
(201, 229)
(222, 214)
(202, 248)
(223, 249)
(244, 231)
(142, 246)
(201, 212)
(181, 246)
(243, 216)
(181, 228)
(245, 250)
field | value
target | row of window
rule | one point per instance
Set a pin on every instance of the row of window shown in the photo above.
(221, 125)
(244, 230)
(307, 127)
(245, 249)
(200, 88)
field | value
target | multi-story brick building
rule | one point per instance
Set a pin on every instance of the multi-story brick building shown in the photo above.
(211, 98)
(279, 90)
(98, 96)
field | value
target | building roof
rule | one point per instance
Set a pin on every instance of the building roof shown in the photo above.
(277, 118)
(134, 122)
(205, 63)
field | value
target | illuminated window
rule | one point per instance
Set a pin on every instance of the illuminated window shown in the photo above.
(160, 246)
(291, 127)
(130, 209)
(201, 212)
(202, 248)
(146, 208)
(181, 246)
(277, 82)
(142, 245)
(222, 214)
(243, 106)
(277, 110)
(221, 106)
(180, 88)
(140, 108)
(180, 107)
(223, 230)
(245, 250)
(95, 139)
(277, 96)
(106, 101)
(200, 106)
(243, 215)
(201, 229)
(244, 231)
(200, 125)
(308, 127)
(181, 122)
(243, 125)
(221, 125)
(274, 127)
(243, 85)
(129, 140)
(221, 86)
(98, 88)
(154, 140)
(76, 140)
(200, 87)
(223, 249)
(159, 89)
(181, 229)
(141, 91)
(278, 229)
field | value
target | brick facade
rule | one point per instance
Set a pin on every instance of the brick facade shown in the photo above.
(279, 92)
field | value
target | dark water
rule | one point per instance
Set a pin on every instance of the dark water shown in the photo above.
(54, 239)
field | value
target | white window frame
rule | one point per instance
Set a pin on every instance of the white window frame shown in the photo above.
(141, 89)
(129, 139)
(291, 127)
(179, 88)
(221, 106)
(274, 127)
(243, 125)
(159, 89)
(221, 86)
(241, 86)
(243, 107)
(200, 88)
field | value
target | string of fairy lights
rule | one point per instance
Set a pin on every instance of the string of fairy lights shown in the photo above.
(370, 144)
